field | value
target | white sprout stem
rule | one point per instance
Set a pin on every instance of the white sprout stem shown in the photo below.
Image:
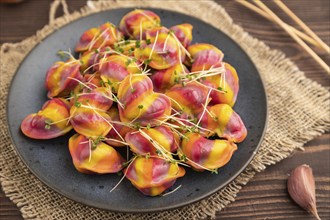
(206, 75)
(104, 42)
(68, 54)
(208, 112)
(91, 78)
(176, 119)
(71, 62)
(120, 54)
(146, 72)
(106, 139)
(80, 82)
(158, 146)
(175, 102)
(176, 143)
(71, 115)
(138, 115)
(208, 87)
(165, 43)
(179, 120)
(122, 123)
(153, 46)
(204, 106)
(145, 69)
(121, 179)
(148, 17)
(162, 52)
(194, 125)
(180, 45)
(135, 132)
(207, 71)
(168, 124)
(117, 100)
(124, 41)
(179, 54)
(113, 34)
(114, 140)
(92, 93)
(94, 40)
(102, 60)
(167, 117)
(93, 108)
(55, 122)
(176, 131)
(91, 66)
(111, 125)
(140, 30)
(168, 193)
(130, 81)
(108, 97)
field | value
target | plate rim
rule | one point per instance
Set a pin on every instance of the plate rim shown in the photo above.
(136, 210)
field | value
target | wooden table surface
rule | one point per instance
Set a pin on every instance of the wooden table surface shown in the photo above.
(265, 196)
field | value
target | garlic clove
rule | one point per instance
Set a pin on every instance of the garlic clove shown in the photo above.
(301, 187)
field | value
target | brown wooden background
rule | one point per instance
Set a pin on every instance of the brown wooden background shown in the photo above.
(265, 196)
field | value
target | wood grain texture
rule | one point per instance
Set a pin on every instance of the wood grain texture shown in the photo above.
(265, 196)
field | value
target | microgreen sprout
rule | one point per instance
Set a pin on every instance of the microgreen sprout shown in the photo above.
(128, 164)
(48, 123)
(137, 44)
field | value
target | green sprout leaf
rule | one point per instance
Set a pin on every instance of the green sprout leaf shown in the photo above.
(137, 44)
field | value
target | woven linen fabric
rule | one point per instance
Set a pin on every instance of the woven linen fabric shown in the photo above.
(298, 112)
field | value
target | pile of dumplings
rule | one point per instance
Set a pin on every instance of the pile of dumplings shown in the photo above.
(148, 88)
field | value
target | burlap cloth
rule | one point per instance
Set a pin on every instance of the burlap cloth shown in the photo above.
(298, 112)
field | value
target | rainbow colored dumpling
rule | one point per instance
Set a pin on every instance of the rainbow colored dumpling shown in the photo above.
(99, 98)
(204, 154)
(135, 23)
(139, 103)
(99, 37)
(115, 68)
(89, 156)
(62, 78)
(225, 122)
(163, 50)
(205, 56)
(184, 33)
(163, 80)
(150, 141)
(90, 122)
(152, 176)
(50, 122)
(188, 98)
(225, 85)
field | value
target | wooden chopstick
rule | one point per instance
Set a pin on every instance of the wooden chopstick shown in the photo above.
(293, 35)
(264, 14)
(302, 25)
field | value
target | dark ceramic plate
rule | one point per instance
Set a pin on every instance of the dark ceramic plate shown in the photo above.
(50, 160)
